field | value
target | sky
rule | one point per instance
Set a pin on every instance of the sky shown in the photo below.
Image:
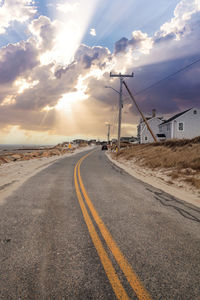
(56, 58)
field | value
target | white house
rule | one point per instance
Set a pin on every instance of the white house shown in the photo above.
(184, 125)
(144, 136)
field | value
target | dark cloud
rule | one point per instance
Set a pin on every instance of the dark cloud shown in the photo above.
(178, 92)
(47, 92)
(89, 56)
(87, 60)
(33, 120)
(121, 45)
(170, 52)
(62, 70)
(15, 60)
(163, 39)
(181, 29)
(138, 40)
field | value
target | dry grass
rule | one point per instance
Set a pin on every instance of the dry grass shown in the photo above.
(82, 145)
(182, 156)
(193, 181)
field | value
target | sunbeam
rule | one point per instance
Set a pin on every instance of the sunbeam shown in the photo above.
(71, 24)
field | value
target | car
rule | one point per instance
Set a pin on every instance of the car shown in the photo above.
(104, 147)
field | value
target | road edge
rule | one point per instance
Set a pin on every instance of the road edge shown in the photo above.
(11, 187)
(182, 195)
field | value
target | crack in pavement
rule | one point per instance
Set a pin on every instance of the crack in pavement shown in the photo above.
(166, 201)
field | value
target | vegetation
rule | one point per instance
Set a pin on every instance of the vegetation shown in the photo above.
(181, 157)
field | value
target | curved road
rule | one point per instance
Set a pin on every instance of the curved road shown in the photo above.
(84, 229)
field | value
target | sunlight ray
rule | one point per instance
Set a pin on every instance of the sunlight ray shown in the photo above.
(71, 26)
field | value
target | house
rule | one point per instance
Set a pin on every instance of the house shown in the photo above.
(128, 139)
(79, 141)
(92, 142)
(144, 136)
(114, 141)
(184, 125)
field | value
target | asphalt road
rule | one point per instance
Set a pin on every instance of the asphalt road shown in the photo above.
(97, 234)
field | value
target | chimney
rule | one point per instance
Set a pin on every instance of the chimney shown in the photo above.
(153, 113)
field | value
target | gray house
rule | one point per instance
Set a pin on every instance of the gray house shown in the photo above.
(183, 125)
(144, 136)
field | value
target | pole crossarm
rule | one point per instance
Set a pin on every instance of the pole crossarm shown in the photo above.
(143, 117)
(121, 75)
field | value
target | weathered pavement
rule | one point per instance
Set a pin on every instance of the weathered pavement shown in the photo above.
(47, 252)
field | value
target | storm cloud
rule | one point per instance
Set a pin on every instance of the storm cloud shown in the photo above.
(15, 60)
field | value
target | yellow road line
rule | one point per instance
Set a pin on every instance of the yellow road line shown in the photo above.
(132, 278)
(107, 264)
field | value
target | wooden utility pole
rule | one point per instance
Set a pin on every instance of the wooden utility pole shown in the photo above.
(143, 117)
(108, 133)
(121, 76)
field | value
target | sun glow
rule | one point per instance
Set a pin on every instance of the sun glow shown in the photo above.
(23, 84)
(66, 102)
(71, 24)
(17, 135)
(9, 100)
(69, 99)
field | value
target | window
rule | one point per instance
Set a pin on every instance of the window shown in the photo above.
(195, 112)
(168, 127)
(146, 139)
(180, 126)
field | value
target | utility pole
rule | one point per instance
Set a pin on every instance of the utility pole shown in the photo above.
(121, 76)
(143, 117)
(108, 133)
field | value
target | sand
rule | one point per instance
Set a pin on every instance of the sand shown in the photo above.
(160, 180)
(14, 174)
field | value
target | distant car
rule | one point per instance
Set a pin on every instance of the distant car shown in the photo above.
(104, 147)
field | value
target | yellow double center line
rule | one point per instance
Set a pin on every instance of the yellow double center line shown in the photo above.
(132, 278)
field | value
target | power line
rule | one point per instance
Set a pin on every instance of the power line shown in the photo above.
(169, 76)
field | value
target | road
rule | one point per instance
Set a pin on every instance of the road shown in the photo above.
(84, 229)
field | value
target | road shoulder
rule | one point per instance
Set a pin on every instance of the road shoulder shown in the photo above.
(150, 178)
(14, 174)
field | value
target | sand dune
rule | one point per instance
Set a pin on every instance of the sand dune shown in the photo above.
(160, 180)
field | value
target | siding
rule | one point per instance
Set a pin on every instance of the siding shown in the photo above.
(143, 131)
(191, 126)
(163, 129)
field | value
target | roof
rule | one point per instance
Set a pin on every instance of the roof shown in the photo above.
(150, 118)
(176, 116)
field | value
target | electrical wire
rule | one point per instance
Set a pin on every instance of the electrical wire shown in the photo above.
(169, 76)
